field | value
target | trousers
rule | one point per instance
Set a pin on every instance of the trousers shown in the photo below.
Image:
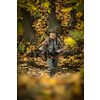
(52, 65)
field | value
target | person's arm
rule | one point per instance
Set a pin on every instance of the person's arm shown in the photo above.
(41, 49)
(44, 45)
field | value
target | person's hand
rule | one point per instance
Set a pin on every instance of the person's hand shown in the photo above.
(58, 51)
(40, 49)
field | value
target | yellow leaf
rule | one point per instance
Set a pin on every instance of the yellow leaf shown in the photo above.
(64, 59)
(77, 4)
(24, 54)
(33, 25)
(61, 61)
(49, 11)
(37, 2)
(80, 54)
(69, 59)
(39, 20)
(28, 51)
(33, 7)
(31, 58)
(34, 13)
(72, 58)
(18, 54)
(33, 46)
(20, 43)
(66, 9)
(25, 59)
(27, 48)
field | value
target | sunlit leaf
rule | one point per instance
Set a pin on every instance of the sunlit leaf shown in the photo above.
(25, 59)
(70, 41)
(67, 9)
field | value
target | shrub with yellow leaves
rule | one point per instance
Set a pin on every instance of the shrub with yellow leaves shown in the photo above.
(69, 41)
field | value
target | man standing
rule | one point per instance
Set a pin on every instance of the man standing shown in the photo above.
(53, 47)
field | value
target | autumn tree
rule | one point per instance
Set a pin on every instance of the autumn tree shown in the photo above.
(65, 16)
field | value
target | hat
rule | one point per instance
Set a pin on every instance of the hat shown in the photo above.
(53, 31)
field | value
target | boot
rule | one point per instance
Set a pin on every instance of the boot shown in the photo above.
(55, 71)
(52, 72)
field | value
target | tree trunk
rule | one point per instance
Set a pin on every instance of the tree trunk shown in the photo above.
(53, 22)
(72, 21)
(29, 34)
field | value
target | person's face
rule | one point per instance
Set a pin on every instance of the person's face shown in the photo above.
(52, 34)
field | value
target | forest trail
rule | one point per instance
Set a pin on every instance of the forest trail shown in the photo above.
(36, 67)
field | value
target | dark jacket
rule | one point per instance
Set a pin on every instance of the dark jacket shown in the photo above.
(47, 45)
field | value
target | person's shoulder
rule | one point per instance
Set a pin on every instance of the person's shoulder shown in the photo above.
(47, 39)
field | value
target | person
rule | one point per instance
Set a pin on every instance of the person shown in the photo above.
(53, 47)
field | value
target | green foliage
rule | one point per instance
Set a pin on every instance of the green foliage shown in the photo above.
(48, 9)
(79, 6)
(19, 28)
(82, 71)
(77, 35)
(21, 48)
(72, 1)
(27, 43)
(43, 37)
(34, 6)
(37, 14)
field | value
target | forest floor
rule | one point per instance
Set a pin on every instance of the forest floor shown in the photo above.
(36, 67)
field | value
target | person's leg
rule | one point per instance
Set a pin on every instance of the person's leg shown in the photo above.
(55, 61)
(50, 65)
